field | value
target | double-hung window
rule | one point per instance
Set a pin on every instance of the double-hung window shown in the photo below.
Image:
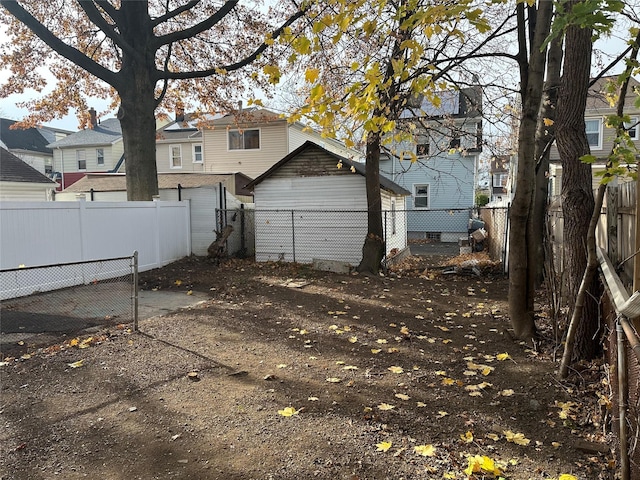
(175, 156)
(500, 179)
(244, 139)
(197, 153)
(421, 196)
(593, 128)
(632, 128)
(100, 156)
(81, 158)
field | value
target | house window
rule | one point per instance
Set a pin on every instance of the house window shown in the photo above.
(593, 127)
(244, 139)
(421, 196)
(175, 156)
(197, 153)
(632, 128)
(100, 156)
(81, 158)
(500, 180)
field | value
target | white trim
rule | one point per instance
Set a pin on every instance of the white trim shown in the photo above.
(632, 127)
(598, 146)
(244, 130)
(171, 165)
(428, 196)
(193, 153)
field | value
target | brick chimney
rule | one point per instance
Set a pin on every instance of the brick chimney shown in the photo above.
(93, 118)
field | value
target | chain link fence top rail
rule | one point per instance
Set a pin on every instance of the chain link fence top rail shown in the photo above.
(66, 297)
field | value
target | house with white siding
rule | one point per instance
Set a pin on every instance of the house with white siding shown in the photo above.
(439, 163)
(21, 182)
(179, 146)
(98, 149)
(599, 135)
(252, 140)
(312, 204)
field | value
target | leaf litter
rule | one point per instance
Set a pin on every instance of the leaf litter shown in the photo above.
(437, 429)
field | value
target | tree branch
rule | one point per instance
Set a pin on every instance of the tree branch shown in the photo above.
(197, 28)
(94, 15)
(234, 66)
(174, 13)
(57, 45)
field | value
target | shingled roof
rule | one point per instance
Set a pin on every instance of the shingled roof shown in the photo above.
(29, 139)
(12, 169)
(105, 133)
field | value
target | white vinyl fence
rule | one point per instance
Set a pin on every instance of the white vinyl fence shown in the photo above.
(46, 233)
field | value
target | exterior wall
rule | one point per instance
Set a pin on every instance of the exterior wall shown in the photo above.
(219, 159)
(35, 160)
(394, 221)
(25, 192)
(451, 181)
(307, 235)
(163, 157)
(65, 160)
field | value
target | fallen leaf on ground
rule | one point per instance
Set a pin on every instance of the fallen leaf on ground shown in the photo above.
(386, 406)
(395, 369)
(288, 412)
(425, 450)
(383, 446)
(78, 364)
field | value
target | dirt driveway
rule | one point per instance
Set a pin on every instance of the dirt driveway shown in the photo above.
(288, 373)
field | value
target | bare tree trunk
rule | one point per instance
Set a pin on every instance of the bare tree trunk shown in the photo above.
(544, 138)
(577, 189)
(374, 247)
(521, 293)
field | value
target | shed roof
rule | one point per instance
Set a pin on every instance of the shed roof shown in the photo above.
(12, 169)
(359, 168)
(114, 182)
(105, 133)
(30, 139)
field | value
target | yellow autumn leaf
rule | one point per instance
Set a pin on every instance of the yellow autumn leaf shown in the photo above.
(334, 380)
(178, 282)
(381, 340)
(487, 370)
(547, 122)
(311, 74)
(444, 329)
(281, 365)
(503, 356)
(442, 413)
(402, 396)
(448, 381)
(340, 362)
(74, 342)
(493, 436)
(383, 446)
(313, 399)
(404, 331)
(517, 438)
(386, 406)
(288, 412)
(425, 450)
(353, 169)
(353, 339)
(507, 392)
(392, 350)
(376, 350)
(467, 437)
(566, 476)
(441, 373)
(421, 404)
(447, 340)
(395, 369)
(78, 364)
(350, 367)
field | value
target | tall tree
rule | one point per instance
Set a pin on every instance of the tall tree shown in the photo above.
(388, 52)
(139, 51)
(534, 23)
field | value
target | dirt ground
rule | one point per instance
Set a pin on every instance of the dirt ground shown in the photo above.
(289, 373)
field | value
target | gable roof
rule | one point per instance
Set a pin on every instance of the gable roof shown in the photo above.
(105, 133)
(12, 169)
(597, 96)
(359, 168)
(29, 139)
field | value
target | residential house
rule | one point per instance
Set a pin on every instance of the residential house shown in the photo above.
(439, 164)
(97, 149)
(312, 204)
(30, 144)
(599, 135)
(252, 140)
(20, 181)
(500, 182)
(179, 146)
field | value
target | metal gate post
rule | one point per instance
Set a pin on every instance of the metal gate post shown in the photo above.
(293, 236)
(135, 291)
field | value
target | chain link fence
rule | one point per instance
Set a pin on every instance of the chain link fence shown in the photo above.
(302, 235)
(67, 297)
